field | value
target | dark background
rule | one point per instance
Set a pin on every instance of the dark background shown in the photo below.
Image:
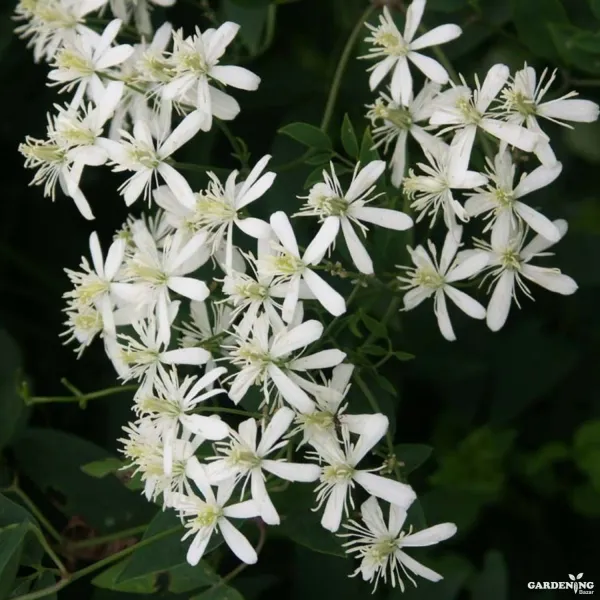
(513, 418)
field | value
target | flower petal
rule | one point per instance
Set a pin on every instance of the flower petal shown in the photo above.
(331, 300)
(499, 305)
(239, 545)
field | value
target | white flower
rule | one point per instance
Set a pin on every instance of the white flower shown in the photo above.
(396, 50)
(140, 358)
(329, 410)
(84, 323)
(94, 286)
(242, 457)
(523, 104)
(82, 60)
(169, 404)
(501, 199)
(267, 360)
(380, 546)
(204, 517)
(195, 62)
(340, 474)
(508, 262)
(337, 208)
(287, 266)
(139, 153)
(429, 278)
(50, 22)
(153, 273)
(432, 191)
(398, 121)
(216, 209)
(465, 111)
(144, 447)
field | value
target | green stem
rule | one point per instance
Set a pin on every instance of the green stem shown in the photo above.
(341, 67)
(269, 30)
(34, 510)
(333, 322)
(46, 546)
(111, 537)
(81, 398)
(63, 583)
(196, 168)
(238, 150)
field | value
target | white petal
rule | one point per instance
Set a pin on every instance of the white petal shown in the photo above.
(96, 252)
(499, 305)
(384, 217)
(375, 429)
(256, 228)
(219, 41)
(177, 184)
(278, 425)
(431, 535)
(449, 249)
(389, 490)
(239, 545)
(324, 293)
(538, 222)
(417, 568)
(186, 356)
(380, 71)
(292, 471)
(358, 253)
(223, 106)
(237, 77)
(436, 37)
(182, 134)
(242, 382)
(290, 391)
(429, 67)
(460, 151)
(467, 304)
(322, 241)
(580, 111)
(365, 179)
(243, 510)
(512, 134)
(414, 14)
(114, 56)
(332, 515)
(443, 318)
(398, 160)
(284, 232)
(416, 296)
(468, 267)
(268, 512)
(550, 279)
(208, 427)
(325, 359)
(198, 546)
(494, 81)
(189, 288)
(539, 178)
(402, 83)
(298, 337)
(540, 244)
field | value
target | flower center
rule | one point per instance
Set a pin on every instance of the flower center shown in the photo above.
(380, 552)
(192, 61)
(89, 291)
(327, 205)
(318, 419)
(148, 273)
(244, 458)
(428, 277)
(511, 259)
(140, 357)
(470, 114)
(208, 516)
(162, 406)
(144, 156)
(391, 42)
(87, 321)
(337, 473)
(72, 61)
(504, 198)
(519, 102)
(38, 152)
(212, 209)
(400, 117)
(287, 264)
(253, 291)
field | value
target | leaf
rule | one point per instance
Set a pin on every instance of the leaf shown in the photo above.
(309, 135)
(402, 356)
(52, 460)
(385, 384)
(221, 592)
(374, 326)
(102, 468)
(251, 17)
(12, 513)
(11, 544)
(492, 582)
(412, 455)
(109, 579)
(586, 451)
(532, 20)
(45, 580)
(314, 177)
(595, 6)
(349, 140)
(12, 407)
(320, 158)
(166, 558)
(367, 153)
(300, 524)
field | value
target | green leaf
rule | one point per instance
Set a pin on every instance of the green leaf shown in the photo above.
(314, 177)
(374, 326)
(102, 468)
(577, 47)
(12, 407)
(595, 6)
(52, 460)
(349, 139)
(110, 579)
(221, 592)
(167, 559)
(12, 513)
(532, 20)
(385, 384)
(583, 141)
(586, 451)
(320, 158)
(302, 525)
(492, 582)
(251, 17)
(45, 580)
(309, 135)
(11, 545)
(412, 455)
(402, 356)
(374, 350)
(367, 153)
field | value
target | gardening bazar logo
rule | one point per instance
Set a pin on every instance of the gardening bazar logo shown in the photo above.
(575, 583)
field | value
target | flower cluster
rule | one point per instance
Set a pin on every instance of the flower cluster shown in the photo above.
(192, 317)
(503, 112)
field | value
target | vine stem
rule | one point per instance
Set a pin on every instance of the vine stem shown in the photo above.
(341, 68)
(103, 539)
(66, 581)
(78, 397)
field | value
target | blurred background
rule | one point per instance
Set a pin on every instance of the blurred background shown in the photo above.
(508, 424)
